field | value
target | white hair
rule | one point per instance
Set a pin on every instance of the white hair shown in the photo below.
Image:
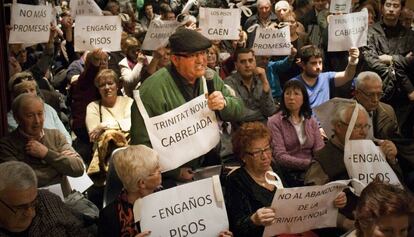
(263, 2)
(342, 109)
(18, 175)
(22, 99)
(363, 77)
(134, 163)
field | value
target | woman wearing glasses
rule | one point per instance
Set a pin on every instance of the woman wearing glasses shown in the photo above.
(248, 195)
(295, 134)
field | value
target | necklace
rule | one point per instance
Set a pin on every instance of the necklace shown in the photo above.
(259, 180)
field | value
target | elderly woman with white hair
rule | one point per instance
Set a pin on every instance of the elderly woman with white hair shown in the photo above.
(139, 171)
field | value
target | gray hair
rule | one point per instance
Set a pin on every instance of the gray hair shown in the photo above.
(18, 175)
(341, 110)
(134, 163)
(22, 99)
(363, 77)
(263, 2)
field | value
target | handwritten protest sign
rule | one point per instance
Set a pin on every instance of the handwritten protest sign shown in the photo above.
(272, 41)
(84, 8)
(158, 34)
(98, 32)
(182, 134)
(340, 6)
(30, 24)
(365, 161)
(346, 31)
(220, 24)
(305, 208)
(193, 209)
(325, 111)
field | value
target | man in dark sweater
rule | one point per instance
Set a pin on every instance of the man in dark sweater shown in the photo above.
(26, 211)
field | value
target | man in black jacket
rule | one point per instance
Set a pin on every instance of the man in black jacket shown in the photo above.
(389, 53)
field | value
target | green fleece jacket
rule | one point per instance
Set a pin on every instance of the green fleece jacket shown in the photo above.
(160, 94)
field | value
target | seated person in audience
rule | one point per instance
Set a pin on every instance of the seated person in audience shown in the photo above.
(318, 83)
(328, 164)
(295, 134)
(138, 169)
(384, 210)
(248, 195)
(27, 211)
(24, 83)
(108, 120)
(251, 85)
(368, 92)
(131, 66)
(45, 150)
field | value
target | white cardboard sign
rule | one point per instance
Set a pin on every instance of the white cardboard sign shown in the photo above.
(304, 208)
(182, 134)
(340, 6)
(272, 41)
(84, 8)
(346, 31)
(30, 24)
(93, 32)
(364, 160)
(220, 24)
(193, 209)
(158, 34)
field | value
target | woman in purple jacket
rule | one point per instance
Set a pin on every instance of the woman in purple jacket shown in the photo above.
(295, 134)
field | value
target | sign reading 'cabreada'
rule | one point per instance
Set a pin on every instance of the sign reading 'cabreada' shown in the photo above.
(346, 31)
(158, 34)
(220, 24)
(98, 32)
(272, 41)
(194, 209)
(30, 24)
(182, 134)
(305, 208)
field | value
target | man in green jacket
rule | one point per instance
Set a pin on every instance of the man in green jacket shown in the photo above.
(176, 84)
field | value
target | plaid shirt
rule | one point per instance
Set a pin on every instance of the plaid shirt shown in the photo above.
(52, 218)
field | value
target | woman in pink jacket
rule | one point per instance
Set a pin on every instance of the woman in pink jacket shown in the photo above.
(295, 134)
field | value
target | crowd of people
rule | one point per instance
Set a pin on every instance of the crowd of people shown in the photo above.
(92, 112)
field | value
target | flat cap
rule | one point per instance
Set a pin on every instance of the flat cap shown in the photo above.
(188, 41)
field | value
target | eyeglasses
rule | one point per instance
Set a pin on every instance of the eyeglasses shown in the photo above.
(260, 152)
(371, 95)
(193, 55)
(359, 126)
(21, 79)
(21, 209)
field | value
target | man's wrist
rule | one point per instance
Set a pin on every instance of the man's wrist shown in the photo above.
(353, 61)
